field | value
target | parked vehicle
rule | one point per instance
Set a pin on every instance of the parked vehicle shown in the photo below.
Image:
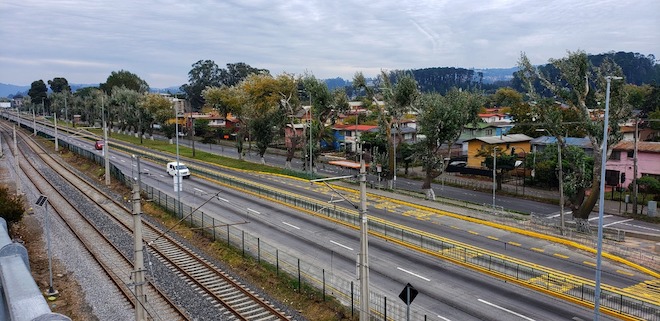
(181, 169)
(98, 145)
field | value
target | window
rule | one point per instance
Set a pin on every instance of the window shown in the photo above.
(631, 153)
(616, 155)
(489, 132)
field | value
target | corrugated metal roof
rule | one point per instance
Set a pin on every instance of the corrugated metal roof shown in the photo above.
(582, 142)
(502, 139)
(647, 147)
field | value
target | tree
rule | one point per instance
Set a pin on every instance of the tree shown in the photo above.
(580, 86)
(397, 98)
(11, 206)
(123, 107)
(59, 85)
(39, 94)
(324, 105)
(262, 111)
(124, 79)
(229, 100)
(441, 120)
(204, 73)
(235, 73)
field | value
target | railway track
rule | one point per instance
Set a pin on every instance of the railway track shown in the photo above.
(231, 298)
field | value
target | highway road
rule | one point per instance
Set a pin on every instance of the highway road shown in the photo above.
(450, 292)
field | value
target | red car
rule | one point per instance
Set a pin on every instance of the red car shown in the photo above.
(98, 145)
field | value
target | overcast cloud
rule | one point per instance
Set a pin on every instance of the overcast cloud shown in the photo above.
(84, 41)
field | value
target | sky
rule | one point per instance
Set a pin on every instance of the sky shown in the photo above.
(159, 41)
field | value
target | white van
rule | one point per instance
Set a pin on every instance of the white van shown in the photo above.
(182, 170)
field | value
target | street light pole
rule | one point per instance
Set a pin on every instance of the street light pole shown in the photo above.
(601, 202)
(494, 174)
(394, 178)
(561, 190)
(364, 246)
(106, 147)
(311, 171)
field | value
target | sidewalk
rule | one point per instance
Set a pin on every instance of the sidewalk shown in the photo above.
(516, 188)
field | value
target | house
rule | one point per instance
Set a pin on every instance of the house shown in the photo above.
(484, 129)
(346, 136)
(295, 130)
(620, 166)
(503, 143)
(495, 117)
(539, 144)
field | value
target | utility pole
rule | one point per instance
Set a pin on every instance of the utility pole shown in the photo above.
(634, 191)
(106, 146)
(18, 167)
(34, 122)
(494, 174)
(364, 246)
(138, 249)
(57, 147)
(561, 187)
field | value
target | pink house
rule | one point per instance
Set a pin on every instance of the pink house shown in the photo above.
(620, 165)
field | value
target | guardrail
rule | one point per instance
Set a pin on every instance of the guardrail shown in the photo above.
(21, 298)
(556, 283)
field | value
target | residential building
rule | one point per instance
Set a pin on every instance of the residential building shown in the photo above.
(346, 136)
(539, 144)
(503, 143)
(484, 129)
(620, 165)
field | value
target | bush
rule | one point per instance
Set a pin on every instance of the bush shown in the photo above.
(11, 206)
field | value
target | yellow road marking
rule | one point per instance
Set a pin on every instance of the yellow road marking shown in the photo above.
(492, 238)
(561, 255)
(589, 263)
(537, 249)
(625, 272)
(473, 232)
(515, 243)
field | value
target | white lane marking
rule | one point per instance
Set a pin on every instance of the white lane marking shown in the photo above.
(595, 218)
(285, 223)
(643, 227)
(199, 190)
(252, 211)
(146, 169)
(342, 245)
(123, 161)
(559, 214)
(414, 274)
(506, 310)
(443, 318)
(222, 199)
(617, 222)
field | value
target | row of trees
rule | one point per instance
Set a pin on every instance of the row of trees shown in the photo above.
(265, 105)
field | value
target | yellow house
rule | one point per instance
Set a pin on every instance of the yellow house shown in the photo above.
(504, 143)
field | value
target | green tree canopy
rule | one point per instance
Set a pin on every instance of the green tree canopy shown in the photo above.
(39, 94)
(441, 120)
(59, 85)
(581, 87)
(125, 79)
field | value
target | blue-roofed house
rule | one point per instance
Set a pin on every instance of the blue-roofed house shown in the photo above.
(540, 143)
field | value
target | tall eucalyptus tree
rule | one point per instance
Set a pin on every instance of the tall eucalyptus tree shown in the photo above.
(581, 86)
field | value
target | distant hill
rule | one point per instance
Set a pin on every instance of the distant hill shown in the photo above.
(6, 90)
(492, 75)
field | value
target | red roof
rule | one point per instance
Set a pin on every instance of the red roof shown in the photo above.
(360, 128)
